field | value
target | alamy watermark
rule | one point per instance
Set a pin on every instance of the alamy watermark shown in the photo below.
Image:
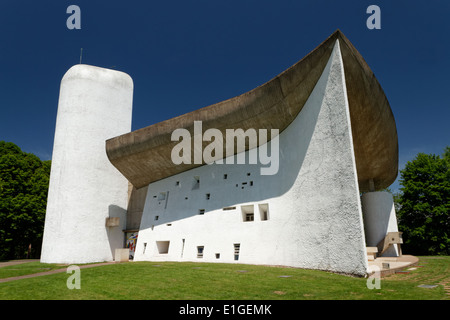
(374, 20)
(374, 279)
(73, 281)
(74, 20)
(190, 150)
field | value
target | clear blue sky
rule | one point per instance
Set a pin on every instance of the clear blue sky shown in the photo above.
(184, 55)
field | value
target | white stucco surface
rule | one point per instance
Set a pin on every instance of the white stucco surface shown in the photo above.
(379, 219)
(94, 105)
(313, 213)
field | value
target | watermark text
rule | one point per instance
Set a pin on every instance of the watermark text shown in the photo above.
(74, 281)
(190, 149)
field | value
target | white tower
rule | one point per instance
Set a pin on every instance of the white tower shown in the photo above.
(85, 189)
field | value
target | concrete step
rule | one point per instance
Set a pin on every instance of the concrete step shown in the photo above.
(371, 253)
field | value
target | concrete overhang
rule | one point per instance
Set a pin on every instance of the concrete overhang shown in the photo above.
(144, 156)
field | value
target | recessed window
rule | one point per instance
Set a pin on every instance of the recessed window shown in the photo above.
(251, 183)
(217, 255)
(163, 247)
(248, 173)
(196, 184)
(208, 196)
(228, 208)
(177, 183)
(237, 248)
(167, 199)
(182, 247)
(145, 247)
(168, 224)
(225, 176)
(264, 211)
(156, 217)
(162, 196)
(200, 251)
(201, 211)
(248, 213)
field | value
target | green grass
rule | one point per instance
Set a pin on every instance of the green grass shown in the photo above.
(185, 280)
(27, 268)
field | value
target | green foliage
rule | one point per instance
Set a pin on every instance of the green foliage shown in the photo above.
(24, 182)
(424, 204)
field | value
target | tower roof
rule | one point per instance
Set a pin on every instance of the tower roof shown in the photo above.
(144, 156)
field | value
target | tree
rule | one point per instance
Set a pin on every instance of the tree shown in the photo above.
(424, 204)
(24, 182)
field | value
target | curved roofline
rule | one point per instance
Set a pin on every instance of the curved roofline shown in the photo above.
(144, 156)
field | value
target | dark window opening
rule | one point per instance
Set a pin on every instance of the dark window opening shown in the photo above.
(237, 247)
(200, 251)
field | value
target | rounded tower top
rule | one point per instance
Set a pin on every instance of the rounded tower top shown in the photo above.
(112, 77)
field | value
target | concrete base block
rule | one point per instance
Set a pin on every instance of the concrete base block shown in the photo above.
(122, 255)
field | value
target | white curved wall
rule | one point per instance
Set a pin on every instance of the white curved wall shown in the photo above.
(314, 213)
(94, 105)
(379, 219)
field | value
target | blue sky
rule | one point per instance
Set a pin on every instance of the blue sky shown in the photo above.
(184, 55)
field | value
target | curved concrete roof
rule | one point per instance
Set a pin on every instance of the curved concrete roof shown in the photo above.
(144, 156)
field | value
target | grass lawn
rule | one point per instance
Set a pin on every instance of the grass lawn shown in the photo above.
(211, 281)
(28, 268)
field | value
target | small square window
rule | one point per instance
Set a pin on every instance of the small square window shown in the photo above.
(248, 213)
(208, 196)
(163, 247)
(201, 211)
(156, 217)
(225, 176)
(162, 196)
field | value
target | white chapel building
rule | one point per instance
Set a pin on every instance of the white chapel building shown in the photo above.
(306, 193)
